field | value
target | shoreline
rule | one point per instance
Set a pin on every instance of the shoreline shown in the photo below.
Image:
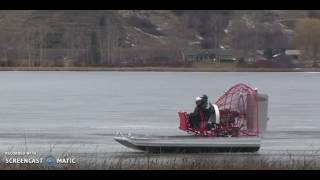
(160, 69)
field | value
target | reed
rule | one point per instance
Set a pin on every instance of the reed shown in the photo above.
(181, 162)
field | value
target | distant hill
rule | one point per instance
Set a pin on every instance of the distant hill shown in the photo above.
(106, 37)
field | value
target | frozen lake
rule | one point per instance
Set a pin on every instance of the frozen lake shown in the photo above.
(80, 112)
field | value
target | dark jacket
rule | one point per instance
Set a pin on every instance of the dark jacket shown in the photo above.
(195, 116)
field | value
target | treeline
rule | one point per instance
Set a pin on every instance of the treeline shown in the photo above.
(75, 38)
(49, 41)
(104, 38)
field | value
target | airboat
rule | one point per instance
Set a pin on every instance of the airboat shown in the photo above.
(240, 120)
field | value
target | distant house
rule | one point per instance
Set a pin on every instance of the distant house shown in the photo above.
(282, 59)
(209, 56)
(233, 56)
(293, 53)
(260, 52)
(253, 56)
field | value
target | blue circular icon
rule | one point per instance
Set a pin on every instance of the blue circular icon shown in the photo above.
(51, 161)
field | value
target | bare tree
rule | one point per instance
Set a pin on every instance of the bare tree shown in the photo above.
(308, 37)
(241, 36)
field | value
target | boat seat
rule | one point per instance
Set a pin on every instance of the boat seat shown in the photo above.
(184, 121)
(186, 126)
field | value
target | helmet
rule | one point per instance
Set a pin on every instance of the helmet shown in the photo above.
(198, 100)
(204, 101)
(204, 97)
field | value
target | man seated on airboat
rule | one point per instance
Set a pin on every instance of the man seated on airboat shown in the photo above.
(203, 116)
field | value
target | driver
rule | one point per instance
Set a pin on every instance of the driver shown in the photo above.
(201, 109)
(208, 111)
(195, 115)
